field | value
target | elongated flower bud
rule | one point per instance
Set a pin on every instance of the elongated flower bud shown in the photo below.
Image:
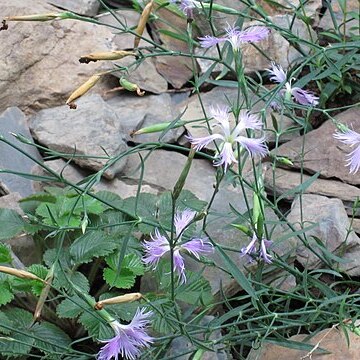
(156, 128)
(19, 273)
(35, 17)
(118, 300)
(81, 90)
(127, 85)
(107, 55)
(142, 22)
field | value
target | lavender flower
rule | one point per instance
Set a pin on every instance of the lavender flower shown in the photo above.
(254, 146)
(186, 6)
(251, 250)
(129, 339)
(264, 244)
(303, 97)
(352, 138)
(236, 37)
(159, 245)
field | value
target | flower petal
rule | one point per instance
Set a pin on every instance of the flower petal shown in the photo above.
(182, 220)
(304, 97)
(277, 73)
(254, 146)
(198, 246)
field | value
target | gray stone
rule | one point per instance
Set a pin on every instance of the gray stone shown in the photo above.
(40, 66)
(274, 46)
(331, 228)
(286, 180)
(126, 19)
(82, 7)
(144, 75)
(137, 112)
(182, 349)
(73, 174)
(177, 70)
(13, 121)
(338, 345)
(23, 248)
(323, 153)
(347, 24)
(86, 131)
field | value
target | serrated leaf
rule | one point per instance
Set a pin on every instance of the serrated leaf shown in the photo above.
(131, 262)
(96, 326)
(53, 338)
(40, 271)
(6, 324)
(71, 308)
(11, 224)
(92, 244)
(77, 278)
(6, 294)
(165, 318)
(124, 279)
(5, 254)
(112, 200)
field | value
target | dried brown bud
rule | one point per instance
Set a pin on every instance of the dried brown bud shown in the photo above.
(142, 22)
(107, 55)
(118, 300)
(19, 273)
(83, 89)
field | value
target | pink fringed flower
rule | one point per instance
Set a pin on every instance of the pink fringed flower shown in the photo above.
(303, 97)
(158, 246)
(352, 138)
(236, 37)
(229, 138)
(129, 339)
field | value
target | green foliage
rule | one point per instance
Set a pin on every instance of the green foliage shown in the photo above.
(22, 335)
(5, 254)
(122, 273)
(11, 224)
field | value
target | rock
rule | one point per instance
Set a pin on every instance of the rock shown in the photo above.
(286, 181)
(331, 227)
(89, 129)
(126, 19)
(274, 46)
(323, 153)
(162, 169)
(22, 245)
(347, 22)
(13, 121)
(309, 9)
(222, 96)
(71, 173)
(82, 7)
(182, 349)
(137, 112)
(144, 75)
(33, 50)
(334, 341)
(177, 70)
(355, 224)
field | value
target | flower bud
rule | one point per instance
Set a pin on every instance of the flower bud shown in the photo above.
(142, 22)
(23, 274)
(284, 160)
(127, 85)
(118, 300)
(35, 17)
(83, 89)
(156, 128)
(107, 55)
